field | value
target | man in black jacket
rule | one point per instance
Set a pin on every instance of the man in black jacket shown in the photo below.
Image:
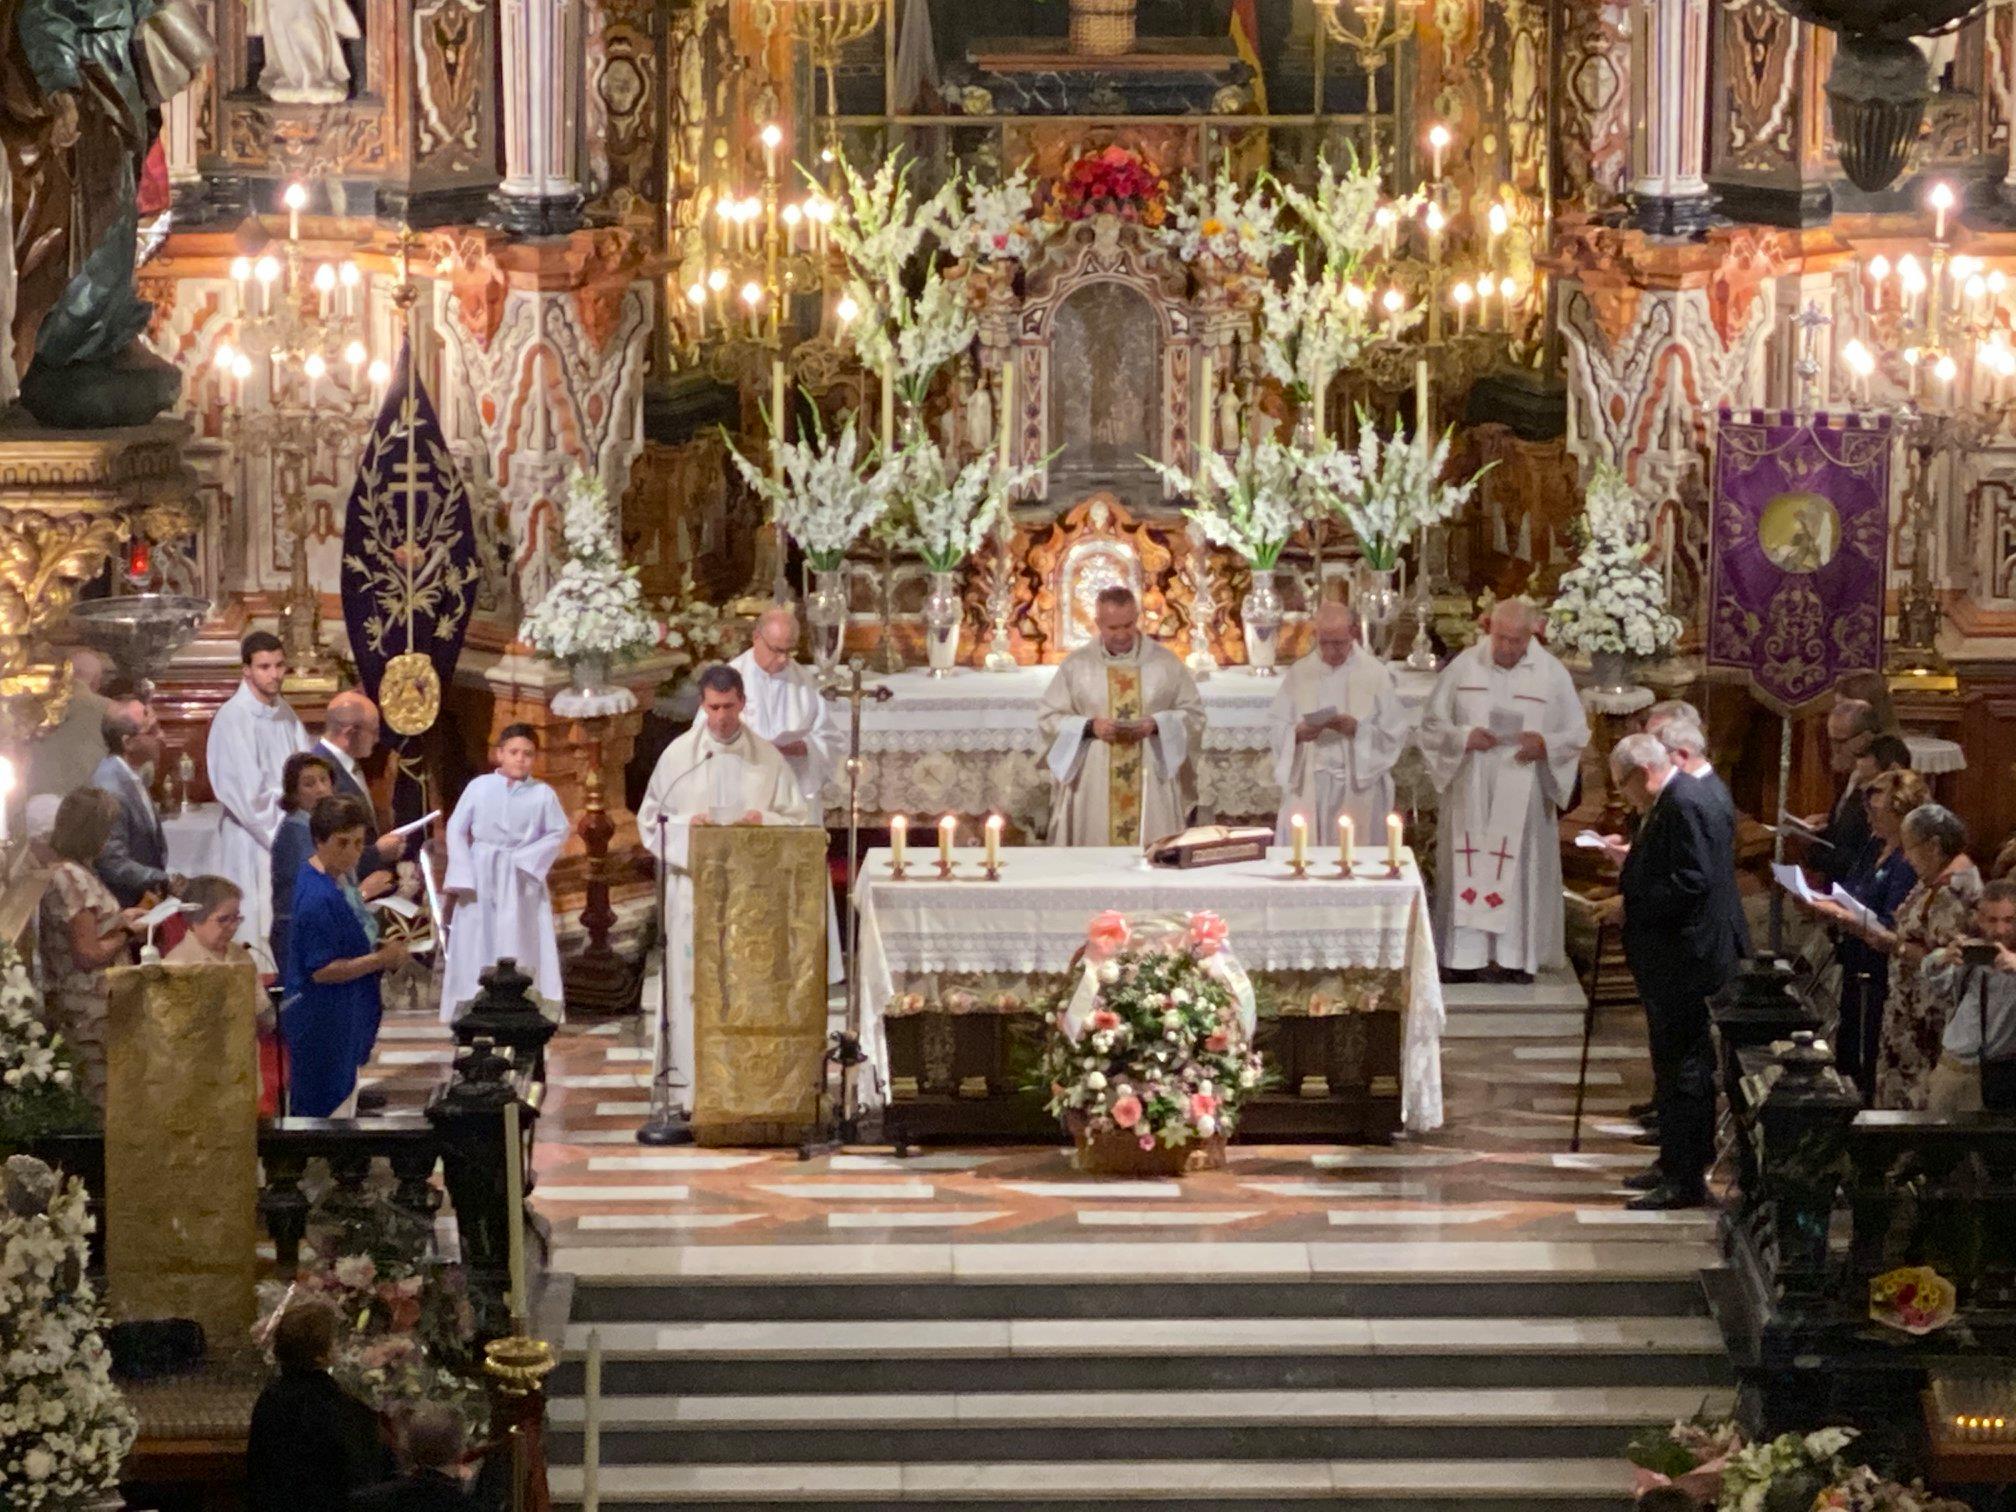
(432, 1482)
(1683, 927)
(312, 1444)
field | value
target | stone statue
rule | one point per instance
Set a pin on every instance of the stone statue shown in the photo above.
(980, 418)
(81, 87)
(304, 49)
(1228, 418)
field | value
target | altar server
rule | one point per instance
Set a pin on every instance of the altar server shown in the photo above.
(786, 709)
(1122, 719)
(1502, 737)
(250, 740)
(718, 772)
(1338, 729)
(503, 838)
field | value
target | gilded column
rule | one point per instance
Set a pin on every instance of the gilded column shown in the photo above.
(1669, 108)
(543, 66)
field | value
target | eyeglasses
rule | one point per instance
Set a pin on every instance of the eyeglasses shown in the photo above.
(233, 919)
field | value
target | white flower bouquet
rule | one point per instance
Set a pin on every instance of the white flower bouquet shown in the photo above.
(944, 514)
(1253, 501)
(881, 227)
(1396, 491)
(833, 489)
(39, 1091)
(1613, 599)
(1312, 329)
(1342, 216)
(1001, 221)
(908, 339)
(64, 1428)
(1220, 218)
(595, 607)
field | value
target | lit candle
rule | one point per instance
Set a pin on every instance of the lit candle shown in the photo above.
(773, 138)
(1010, 422)
(266, 271)
(353, 283)
(296, 200)
(354, 355)
(315, 368)
(993, 842)
(1298, 838)
(1495, 224)
(899, 841)
(514, 1211)
(325, 287)
(1207, 410)
(1346, 841)
(241, 275)
(793, 219)
(946, 828)
(1438, 143)
(1434, 220)
(696, 296)
(1388, 221)
(752, 300)
(1941, 200)
(717, 285)
(1462, 294)
(1879, 269)
(1393, 841)
(1421, 410)
(380, 374)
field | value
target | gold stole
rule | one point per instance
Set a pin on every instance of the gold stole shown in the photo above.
(1124, 759)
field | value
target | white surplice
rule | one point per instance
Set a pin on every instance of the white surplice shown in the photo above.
(701, 777)
(1330, 775)
(250, 741)
(1498, 842)
(1082, 691)
(503, 839)
(787, 704)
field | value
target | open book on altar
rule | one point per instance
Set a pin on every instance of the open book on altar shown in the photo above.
(1212, 845)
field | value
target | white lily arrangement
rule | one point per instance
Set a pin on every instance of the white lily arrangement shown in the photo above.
(1253, 501)
(943, 514)
(1313, 329)
(595, 607)
(1341, 216)
(1221, 218)
(834, 488)
(1613, 600)
(1396, 491)
(1001, 221)
(913, 337)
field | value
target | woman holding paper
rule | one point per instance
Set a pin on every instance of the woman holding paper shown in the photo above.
(503, 838)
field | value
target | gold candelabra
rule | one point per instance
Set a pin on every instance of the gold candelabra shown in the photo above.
(1364, 27)
(297, 352)
(825, 27)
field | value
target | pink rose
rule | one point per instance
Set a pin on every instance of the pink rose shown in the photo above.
(1107, 935)
(1147, 1141)
(1105, 1018)
(1202, 1105)
(1207, 934)
(1217, 1042)
(1127, 1111)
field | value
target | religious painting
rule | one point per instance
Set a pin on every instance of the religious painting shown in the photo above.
(1105, 392)
(1799, 523)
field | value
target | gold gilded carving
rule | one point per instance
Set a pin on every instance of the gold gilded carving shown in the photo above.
(1097, 535)
(181, 1149)
(759, 994)
(409, 693)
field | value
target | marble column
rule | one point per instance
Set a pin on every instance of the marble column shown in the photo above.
(1669, 107)
(543, 66)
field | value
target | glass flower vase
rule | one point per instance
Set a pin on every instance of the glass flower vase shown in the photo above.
(944, 613)
(826, 615)
(1260, 618)
(1378, 603)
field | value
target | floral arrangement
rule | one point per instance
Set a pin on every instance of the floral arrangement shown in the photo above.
(38, 1082)
(944, 514)
(1612, 599)
(1001, 221)
(1253, 501)
(64, 1428)
(1691, 1455)
(830, 490)
(1222, 219)
(1792, 1469)
(1397, 491)
(1863, 1490)
(902, 335)
(595, 607)
(692, 631)
(1711, 1460)
(1153, 1044)
(1341, 217)
(1313, 329)
(1914, 1299)
(914, 338)
(1115, 180)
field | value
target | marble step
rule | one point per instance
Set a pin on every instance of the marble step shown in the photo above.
(1512, 1024)
(1596, 1484)
(1557, 991)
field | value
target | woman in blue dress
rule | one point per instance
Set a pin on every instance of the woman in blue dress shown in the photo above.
(332, 970)
(305, 781)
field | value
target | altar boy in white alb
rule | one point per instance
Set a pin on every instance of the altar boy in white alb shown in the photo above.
(1122, 719)
(718, 772)
(1502, 736)
(250, 740)
(1338, 729)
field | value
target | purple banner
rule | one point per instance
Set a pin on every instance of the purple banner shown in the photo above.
(1797, 550)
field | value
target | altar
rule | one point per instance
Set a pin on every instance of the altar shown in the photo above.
(957, 974)
(967, 745)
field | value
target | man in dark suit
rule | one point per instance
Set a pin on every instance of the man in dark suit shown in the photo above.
(1852, 727)
(134, 861)
(433, 1444)
(311, 1443)
(1682, 939)
(349, 736)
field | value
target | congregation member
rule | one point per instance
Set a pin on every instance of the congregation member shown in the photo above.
(134, 863)
(432, 1447)
(329, 1017)
(1338, 730)
(311, 1445)
(1977, 978)
(786, 709)
(1502, 737)
(1679, 727)
(214, 908)
(1121, 721)
(250, 740)
(82, 932)
(1934, 915)
(1852, 727)
(718, 772)
(350, 731)
(1682, 926)
(62, 759)
(503, 838)
(1881, 879)
(305, 780)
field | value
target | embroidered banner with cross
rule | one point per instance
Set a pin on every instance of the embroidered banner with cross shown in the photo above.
(1487, 891)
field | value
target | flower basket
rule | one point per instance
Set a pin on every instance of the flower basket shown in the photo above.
(1102, 28)
(1111, 1152)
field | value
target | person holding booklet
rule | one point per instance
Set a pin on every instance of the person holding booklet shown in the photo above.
(1338, 729)
(503, 838)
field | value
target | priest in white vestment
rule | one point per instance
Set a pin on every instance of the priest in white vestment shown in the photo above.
(250, 740)
(1122, 720)
(718, 772)
(1338, 729)
(1502, 737)
(786, 709)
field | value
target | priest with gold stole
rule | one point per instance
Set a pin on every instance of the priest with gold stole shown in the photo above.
(1338, 729)
(718, 772)
(1122, 719)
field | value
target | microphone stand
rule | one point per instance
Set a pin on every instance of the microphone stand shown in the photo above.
(843, 1124)
(667, 1124)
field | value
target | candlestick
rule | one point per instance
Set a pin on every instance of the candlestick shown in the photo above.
(777, 402)
(1941, 200)
(773, 138)
(1393, 843)
(1207, 413)
(993, 846)
(1346, 843)
(514, 1212)
(1421, 410)
(296, 200)
(1010, 422)
(947, 828)
(1438, 143)
(1298, 841)
(899, 842)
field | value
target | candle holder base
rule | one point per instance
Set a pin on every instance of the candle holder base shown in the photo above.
(1345, 872)
(1393, 872)
(944, 871)
(991, 873)
(898, 872)
(1298, 871)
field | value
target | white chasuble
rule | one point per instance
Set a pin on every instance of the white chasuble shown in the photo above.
(1120, 793)
(701, 778)
(249, 744)
(503, 839)
(1497, 844)
(1333, 775)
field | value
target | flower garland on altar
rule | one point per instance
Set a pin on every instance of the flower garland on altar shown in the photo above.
(39, 1093)
(1156, 1043)
(1397, 491)
(830, 488)
(1613, 599)
(595, 607)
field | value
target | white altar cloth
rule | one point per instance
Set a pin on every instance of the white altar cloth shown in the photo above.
(1034, 918)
